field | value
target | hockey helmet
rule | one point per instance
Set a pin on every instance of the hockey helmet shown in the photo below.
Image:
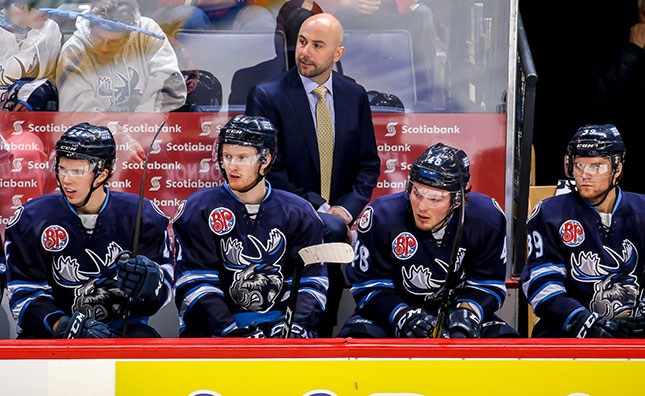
(37, 95)
(596, 141)
(88, 142)
(442, 167)
(256, 132)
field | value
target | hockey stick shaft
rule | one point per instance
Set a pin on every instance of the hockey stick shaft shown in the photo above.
(337, 252)
(137, 227)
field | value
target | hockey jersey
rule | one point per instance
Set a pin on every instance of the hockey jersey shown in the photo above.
(56, 266)
(396, 264)
(575, 261)
(233, 269)
(29, 55)
(144, 76)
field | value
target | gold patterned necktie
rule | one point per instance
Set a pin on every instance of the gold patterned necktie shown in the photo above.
(325, 131)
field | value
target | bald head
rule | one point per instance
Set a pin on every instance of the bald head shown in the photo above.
(320, 45)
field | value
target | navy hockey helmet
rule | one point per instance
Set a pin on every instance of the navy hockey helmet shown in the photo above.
(442, 167)
(256, 132)
(88, 142)
(596, 141)
(36, 95)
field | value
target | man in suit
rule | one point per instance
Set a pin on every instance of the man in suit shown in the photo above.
(326, 147)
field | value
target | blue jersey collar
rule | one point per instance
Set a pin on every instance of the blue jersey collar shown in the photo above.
(266, 195)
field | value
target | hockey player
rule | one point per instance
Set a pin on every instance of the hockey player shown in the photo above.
(405, 239)
(237, 246)
(63, 275)
(583, 271)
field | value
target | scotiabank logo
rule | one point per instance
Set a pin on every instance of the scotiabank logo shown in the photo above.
(206, 128)
(17, 127)
(391, 129)
(16, 201)
(17, 165)
(156, 146)
(390, 166)
(156, 185)
(112, 126)
(205, 165)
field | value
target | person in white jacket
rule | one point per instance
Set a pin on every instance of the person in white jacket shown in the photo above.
(105, 67)
(30, 43)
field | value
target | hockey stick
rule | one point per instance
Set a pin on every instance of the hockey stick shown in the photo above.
(336, 252)
(452, 264)
(137, 230)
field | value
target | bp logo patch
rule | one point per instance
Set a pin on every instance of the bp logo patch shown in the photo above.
(54, 238)
(365, 222)
(404, 246)
(572, 233)
(221, 221)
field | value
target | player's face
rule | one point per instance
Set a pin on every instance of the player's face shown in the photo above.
(107, 44)
(317, 50)
(75, 178)
(593, 177)
(429, 206)
(241, 164)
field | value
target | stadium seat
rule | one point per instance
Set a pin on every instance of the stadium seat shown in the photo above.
(257, 56)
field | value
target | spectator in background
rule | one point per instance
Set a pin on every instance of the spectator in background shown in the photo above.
(617, 94)
(30, 43)
(415, 16)
(327, 149)
(106, 68)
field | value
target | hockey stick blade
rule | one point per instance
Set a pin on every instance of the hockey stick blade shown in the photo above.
(334, 252)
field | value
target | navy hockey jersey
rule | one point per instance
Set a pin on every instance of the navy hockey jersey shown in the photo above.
(396, 264)
(574, 261)
(233, 270)
(55, 265)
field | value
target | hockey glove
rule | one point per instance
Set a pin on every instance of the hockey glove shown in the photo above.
(139, 277)
(464, 323)
(81, 326)
(250, 331)
(586, 324)
(279, 329)
(413, 323)
(631, 327)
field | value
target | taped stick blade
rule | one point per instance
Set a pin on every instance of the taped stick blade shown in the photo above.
(335, 252)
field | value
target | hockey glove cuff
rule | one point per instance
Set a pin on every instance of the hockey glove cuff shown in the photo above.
(586, 324)
(279, 329)
(250, 331)
(81, 326)
(413, 323)
(140, 278)
(464, 323)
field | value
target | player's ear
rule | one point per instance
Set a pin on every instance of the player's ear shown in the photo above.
(102, 177)
(266, 161)
(619, 171)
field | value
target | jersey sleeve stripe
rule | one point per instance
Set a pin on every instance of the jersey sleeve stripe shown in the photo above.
(194, 276)
(195, 294)
(545, 292)
(492, 285)
(543, 270)
(368, 297)
(487, 291)
(320, 280)
(320, 297)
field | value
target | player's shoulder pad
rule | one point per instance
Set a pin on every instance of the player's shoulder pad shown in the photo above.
(38, 208)
(200, 199)
(385, 210)
(482, 209)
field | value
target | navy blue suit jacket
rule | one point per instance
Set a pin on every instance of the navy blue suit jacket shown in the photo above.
(297, 168)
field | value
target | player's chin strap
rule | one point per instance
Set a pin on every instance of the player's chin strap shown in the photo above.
(89, 194)
(606, 193)
(255, 183)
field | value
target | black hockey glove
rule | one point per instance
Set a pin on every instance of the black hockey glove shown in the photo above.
(631, 327)
(81, 326)
(279, 329)
(586, 324)
(414, 323)
(139, 277)
(250, 331)
(464, 323)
